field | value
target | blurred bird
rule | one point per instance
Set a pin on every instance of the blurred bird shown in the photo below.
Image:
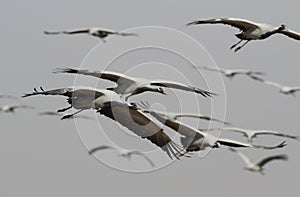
(134, 86)
(230, 73)
(12, 108)
(94, 31)
(249, 30)
(282, 89)
(250, 134)
(258, 166)
(123, 153)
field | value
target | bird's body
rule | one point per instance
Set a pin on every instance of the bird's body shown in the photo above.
(230, 73)
(195, 140)
(282, 89)
(258, 166)
(123, 153)
(94, 31)
(250, 30)
(134, 86)
(250, 134)
(12, 108)
(109, 104)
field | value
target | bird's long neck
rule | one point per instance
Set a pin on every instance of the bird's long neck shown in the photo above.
(270, 33)
(144, 89)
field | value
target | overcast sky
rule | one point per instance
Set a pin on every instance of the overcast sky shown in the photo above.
(43, 156)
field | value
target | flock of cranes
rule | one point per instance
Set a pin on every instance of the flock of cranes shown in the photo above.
(139, 118)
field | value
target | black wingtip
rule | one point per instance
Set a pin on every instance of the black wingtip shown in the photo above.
(192, 23)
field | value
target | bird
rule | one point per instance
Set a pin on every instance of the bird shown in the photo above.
(250, 134)
(176, 116)
(196, 140)
(80, 99)
(230, 73)
(282, 89)
(94, 31)
(122, 152)
(134, 86)
(54, 113)
(12, 108)
(109, 104)
(249, 30)
(258, 166)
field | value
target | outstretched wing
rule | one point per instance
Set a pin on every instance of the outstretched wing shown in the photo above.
(180, 86)
(121, 33)
(220, 70)
(118, 78)
(267, 132)
(200, 116)
(233, 143)
(74, 31)
(241, 24)
(79, 99)
(290, 33)
(143, 155)
(61, 91)
(235, 129)
(242, 156)
(98, 148)
(268, 159)
(141, 125)
(266, 82)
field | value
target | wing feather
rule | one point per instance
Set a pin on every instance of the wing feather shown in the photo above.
(241, 24)
(140, 124)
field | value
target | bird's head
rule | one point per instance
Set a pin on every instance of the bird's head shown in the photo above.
(216, 145)
(161, 90)
(282, 27)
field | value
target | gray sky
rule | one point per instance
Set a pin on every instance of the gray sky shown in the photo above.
(45, 156)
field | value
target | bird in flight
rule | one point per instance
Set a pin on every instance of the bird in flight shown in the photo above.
(12, 108)
(123, 153)
(94, 31)
(196, 140)
(80, 99)
(109, 104)
(282, 89)
(134, 86)
(250, 134)
(258, 166)
(230, 73)
(249, 30)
